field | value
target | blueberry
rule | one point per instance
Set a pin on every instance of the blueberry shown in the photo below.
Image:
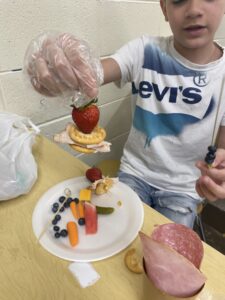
(63, 233)
(81, 221)
(54, 222)
(61, 199)
(212, 149)
(57, 218)
(57, 235)
(54, 209)
(69, 200)
(55, 205)
(62, 209)
(209, 161)
(210, 156)
(66, 204)
(56, 228)
(76, 200)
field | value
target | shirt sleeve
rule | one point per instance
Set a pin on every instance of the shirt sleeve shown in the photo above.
(130, 60)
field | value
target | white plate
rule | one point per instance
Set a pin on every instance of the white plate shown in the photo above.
(115, 231)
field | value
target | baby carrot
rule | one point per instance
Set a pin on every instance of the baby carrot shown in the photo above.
(77, 209)
(73, 207)
(80, 207)
(72, 233)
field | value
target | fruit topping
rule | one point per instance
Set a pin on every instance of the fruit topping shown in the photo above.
(86, 117)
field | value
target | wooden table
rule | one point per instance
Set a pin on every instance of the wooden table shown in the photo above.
(28, 271)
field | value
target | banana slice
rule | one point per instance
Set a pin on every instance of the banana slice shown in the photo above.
(133, 262)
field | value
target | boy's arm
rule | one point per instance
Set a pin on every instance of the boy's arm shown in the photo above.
(111, 69)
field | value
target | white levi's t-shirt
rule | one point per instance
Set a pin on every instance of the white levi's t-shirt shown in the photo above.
(175, 109)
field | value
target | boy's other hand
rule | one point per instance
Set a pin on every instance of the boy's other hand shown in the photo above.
(211, 183)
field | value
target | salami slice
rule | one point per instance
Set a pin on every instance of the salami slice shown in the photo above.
(182, 239)
(169, 271)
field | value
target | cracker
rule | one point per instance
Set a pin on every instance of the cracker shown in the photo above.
(95, 137)
(132, 261)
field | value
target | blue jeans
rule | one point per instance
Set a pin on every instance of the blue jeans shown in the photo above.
(178, 207)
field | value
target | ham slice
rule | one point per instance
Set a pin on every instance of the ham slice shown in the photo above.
(169, 271)
(182, 239)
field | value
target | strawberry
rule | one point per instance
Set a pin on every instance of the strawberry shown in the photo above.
(86, 117)
(93, 174)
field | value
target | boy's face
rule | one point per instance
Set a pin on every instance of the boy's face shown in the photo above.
(193, 22)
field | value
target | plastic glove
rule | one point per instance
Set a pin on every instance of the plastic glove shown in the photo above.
(61, 64)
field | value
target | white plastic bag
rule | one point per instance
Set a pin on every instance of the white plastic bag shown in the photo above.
(18, 169)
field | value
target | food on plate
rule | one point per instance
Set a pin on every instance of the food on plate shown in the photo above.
(133, 262)
(85, 195)
(63, 233)
(103, 185)
(83, 211)
(77, 209)
(85, 135)
(74, 210)
(172, 256)
(72, 233)
(91, 218)
(86, 117)
(100, 184)
(104, 210)
(93, 174)
(59, 232)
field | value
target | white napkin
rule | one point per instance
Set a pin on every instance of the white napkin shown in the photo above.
(84, 273)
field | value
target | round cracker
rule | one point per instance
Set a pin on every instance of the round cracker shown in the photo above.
(81, 149)
(95, 137)
(133, 262)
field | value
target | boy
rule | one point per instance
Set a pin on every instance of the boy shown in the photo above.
(177, 90)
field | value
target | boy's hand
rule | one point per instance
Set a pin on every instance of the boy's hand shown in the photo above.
(211, 183)
(62, 64)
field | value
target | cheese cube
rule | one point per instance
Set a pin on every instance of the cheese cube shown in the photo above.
(85, 195)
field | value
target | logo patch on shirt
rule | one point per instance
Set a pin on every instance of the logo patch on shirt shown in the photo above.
(162, 124)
